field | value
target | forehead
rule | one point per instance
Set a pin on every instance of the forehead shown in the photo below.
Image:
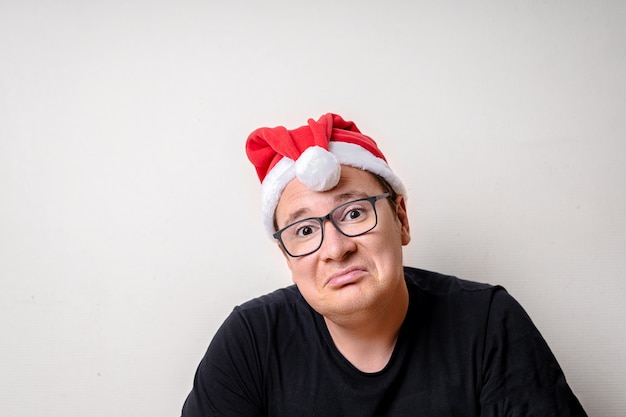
(353, 183)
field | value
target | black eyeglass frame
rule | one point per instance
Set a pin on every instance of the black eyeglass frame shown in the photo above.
(278, 234)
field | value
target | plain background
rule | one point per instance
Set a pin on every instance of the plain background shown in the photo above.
(129, 216)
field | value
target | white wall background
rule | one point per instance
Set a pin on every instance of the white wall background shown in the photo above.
(129, 215)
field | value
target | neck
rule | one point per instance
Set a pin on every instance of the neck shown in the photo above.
(368, 341)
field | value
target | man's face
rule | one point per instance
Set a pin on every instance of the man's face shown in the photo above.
(348, 275)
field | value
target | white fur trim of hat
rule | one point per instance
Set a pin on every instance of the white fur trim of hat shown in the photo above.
(320, 170)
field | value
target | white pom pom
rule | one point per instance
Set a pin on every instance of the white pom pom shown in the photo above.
(318, 169)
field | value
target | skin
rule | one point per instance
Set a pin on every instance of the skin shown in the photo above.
(357, 283)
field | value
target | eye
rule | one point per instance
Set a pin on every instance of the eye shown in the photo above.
(353, 214)
(305, 229)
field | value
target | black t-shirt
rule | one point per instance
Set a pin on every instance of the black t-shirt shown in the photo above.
(464, 349)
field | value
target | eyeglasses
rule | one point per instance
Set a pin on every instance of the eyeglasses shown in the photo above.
(351, 219)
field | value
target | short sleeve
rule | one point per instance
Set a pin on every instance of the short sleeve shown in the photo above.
(521, 376)
(228, 379)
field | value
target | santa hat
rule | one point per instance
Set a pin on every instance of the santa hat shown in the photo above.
(314, 154)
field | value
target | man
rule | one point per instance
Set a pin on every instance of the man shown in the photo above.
(359, 334)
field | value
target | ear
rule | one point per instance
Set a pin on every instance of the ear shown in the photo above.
(403, 218)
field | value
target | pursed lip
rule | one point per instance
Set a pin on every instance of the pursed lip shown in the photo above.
(345, 276)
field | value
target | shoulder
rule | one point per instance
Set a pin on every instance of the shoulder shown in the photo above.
(272, 314)
(435, 283)
(280, 296)
(283, 299)
(488, 307)
(231, 375)
(260, 326)
(447, 297)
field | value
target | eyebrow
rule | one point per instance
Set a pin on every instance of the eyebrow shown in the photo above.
(339, 199)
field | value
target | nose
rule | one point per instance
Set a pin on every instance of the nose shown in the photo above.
(335, 245)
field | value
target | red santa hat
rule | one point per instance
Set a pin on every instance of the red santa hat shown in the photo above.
(314, 154)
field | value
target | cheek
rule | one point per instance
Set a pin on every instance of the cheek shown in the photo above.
(302, 271)
(393, 234)
(388, 249)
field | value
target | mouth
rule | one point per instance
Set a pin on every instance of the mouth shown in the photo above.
(345, 277)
